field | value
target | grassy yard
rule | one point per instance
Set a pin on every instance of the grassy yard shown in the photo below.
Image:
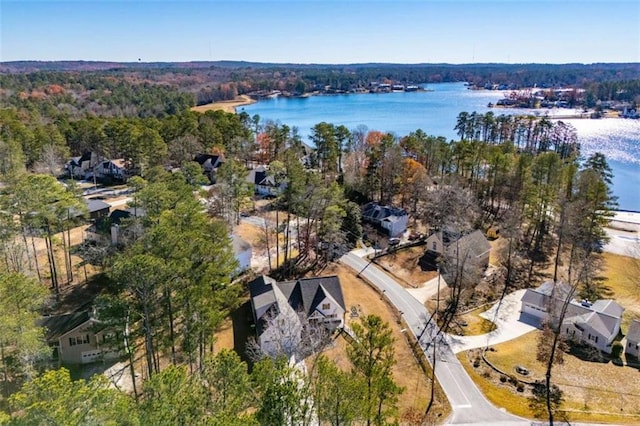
(407, 373)
(619, 286)
(475, 324)
(587, 386)
(593, 391)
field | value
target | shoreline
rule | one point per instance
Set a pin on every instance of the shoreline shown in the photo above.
(226, 106)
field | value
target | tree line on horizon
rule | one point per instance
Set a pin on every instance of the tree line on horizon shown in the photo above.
(104, 91)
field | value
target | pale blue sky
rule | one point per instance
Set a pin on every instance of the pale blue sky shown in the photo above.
(510, 31)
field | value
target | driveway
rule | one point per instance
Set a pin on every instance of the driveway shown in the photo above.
(428, 289)
(468, 404)
(509, 325)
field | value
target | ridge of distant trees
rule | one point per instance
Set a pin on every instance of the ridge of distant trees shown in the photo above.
(159, 89)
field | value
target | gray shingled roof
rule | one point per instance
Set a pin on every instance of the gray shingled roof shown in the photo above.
(609, 307)
(58, 325)
(475, 243)
(603, 324)
(633, 334)
(262, 296)
(94, 205)
(304, 294)
(540, 296)
(311, 291)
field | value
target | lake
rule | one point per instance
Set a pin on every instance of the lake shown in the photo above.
(435, 112)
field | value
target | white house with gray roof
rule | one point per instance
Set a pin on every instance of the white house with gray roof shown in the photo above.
(280, 307)
(392, 219)
(633, 339)
(472, 247)
(594, 323)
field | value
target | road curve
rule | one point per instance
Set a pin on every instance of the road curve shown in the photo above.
(467, 402)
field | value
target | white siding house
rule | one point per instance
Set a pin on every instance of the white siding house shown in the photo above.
(596, 324)
(632, 346)
(279, 309)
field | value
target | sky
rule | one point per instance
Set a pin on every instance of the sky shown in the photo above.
(326, 32)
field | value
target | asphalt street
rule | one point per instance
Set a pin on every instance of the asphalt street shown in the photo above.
(467, 402)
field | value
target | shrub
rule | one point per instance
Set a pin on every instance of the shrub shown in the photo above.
(616, 350)
(520, 387)
(503, 378)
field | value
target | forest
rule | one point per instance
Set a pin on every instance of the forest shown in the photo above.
(213, 81)
(169, 283)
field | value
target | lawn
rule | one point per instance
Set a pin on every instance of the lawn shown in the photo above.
(475, 324)
(587, 386)
(593, 391)
(619, 286)
(407, 373)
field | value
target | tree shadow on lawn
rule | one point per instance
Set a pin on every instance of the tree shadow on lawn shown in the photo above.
(243, 328)
(631, 361)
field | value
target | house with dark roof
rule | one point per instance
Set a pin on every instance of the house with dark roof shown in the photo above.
(472, 247)
(209, 163)
(264, 183)
(282, 306)
(633, 339)
(117, 216)
(392, 219)
(593, 323)
(112, 169)
(79, 167)
(98, 209)
(77, 338)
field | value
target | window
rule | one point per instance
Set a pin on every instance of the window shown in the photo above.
(596, 339)
(326, 306)
(435, 246)
(72, 341)
(86, 339)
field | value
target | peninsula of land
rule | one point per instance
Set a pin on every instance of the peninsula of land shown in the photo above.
(226, 106)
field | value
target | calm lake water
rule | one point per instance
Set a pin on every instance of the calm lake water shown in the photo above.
(435, 112)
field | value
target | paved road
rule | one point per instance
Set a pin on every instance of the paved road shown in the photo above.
(468, 404)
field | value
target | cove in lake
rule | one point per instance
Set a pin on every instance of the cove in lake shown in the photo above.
(435, 112)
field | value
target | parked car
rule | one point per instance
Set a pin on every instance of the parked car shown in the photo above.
(394, 241)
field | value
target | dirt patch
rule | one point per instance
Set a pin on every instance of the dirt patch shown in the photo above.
(404, 264)
(226, 106)
(252, 234)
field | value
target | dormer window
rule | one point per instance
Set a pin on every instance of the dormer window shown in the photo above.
(326, 306)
